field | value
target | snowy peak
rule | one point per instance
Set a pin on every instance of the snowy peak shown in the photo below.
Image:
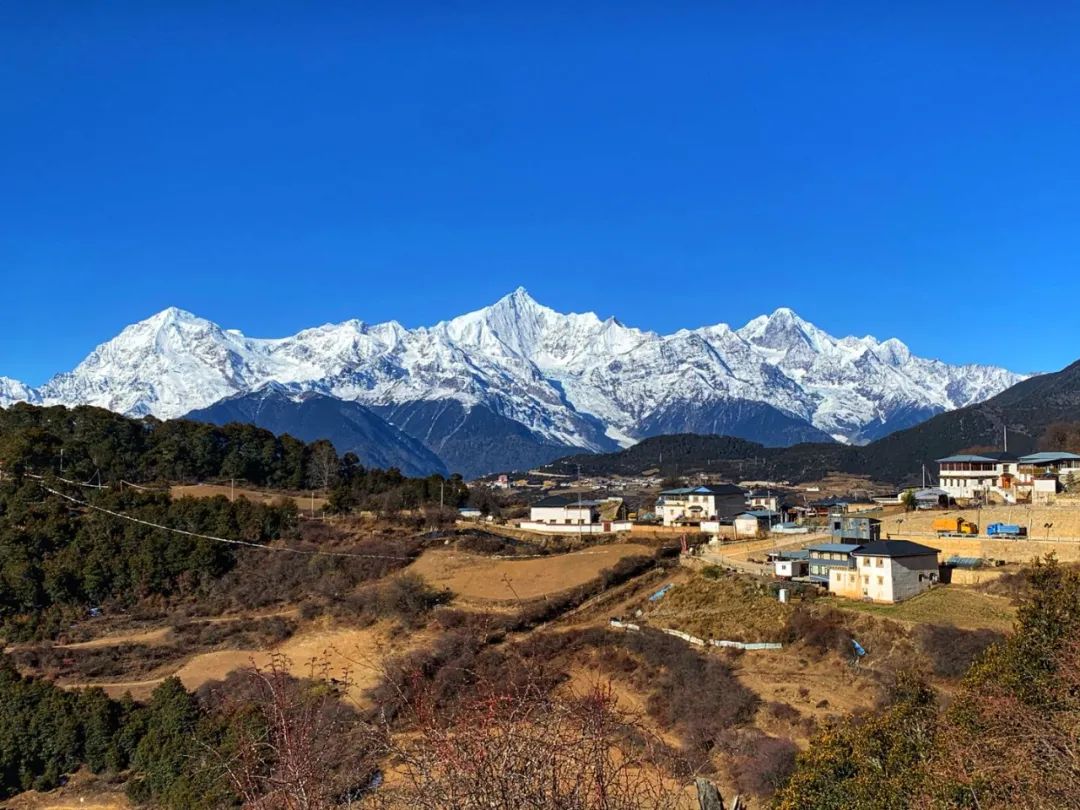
(568, 379)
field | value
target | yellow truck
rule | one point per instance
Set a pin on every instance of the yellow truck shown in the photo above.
(954, 525)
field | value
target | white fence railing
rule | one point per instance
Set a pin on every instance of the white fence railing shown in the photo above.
(701, 642)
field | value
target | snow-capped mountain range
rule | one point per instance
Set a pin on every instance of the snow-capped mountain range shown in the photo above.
(564, 380)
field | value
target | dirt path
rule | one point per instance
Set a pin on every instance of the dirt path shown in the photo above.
(347, 655)
(152, 636)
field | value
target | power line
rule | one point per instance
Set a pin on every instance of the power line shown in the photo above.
(229, 541)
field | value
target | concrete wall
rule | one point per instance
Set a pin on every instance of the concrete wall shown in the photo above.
(974, 576)
(611, 527)
(1017, 551)
(913, 575)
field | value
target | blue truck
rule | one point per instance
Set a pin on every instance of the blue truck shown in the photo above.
(1005, 530)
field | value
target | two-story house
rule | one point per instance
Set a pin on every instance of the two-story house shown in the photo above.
(971, 475)
(691, 505)
(886, 571)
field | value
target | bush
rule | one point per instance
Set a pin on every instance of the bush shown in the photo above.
(821, 631)
(757, 763)
(952, 650)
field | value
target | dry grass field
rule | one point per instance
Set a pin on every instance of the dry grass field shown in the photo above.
(345, 654)
(304, 503)
(726, 608)
(484, 579)
(949, 605)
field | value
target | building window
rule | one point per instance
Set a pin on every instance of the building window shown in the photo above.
(880, 562)
(866, 579)
(881, 580)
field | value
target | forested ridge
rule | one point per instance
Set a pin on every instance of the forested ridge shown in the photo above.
(60, 559)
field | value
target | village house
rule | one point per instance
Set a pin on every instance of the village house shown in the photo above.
(825, 557)
(791, 564)
(886, 571)
(569, 514)
(1012, 478)
(755, 522)
(971, 475)
(852, 528)
(1051, 464)
(691, 505)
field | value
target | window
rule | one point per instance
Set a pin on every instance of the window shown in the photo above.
(851, 578)
(881, 580)
(880, 562)
(866, 579)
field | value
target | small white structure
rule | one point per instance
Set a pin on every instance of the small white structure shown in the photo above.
(470, 513)
(750, 524)
(788, 568)
(887, 571)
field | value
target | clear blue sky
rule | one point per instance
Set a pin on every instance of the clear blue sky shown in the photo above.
(908, 170)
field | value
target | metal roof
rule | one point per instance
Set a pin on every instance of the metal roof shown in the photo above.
(894, 548)
(709, 489)
(798, 554)
(965, 562)
(969, 458)
(759, 513)
(833, 547)
(1048, 457)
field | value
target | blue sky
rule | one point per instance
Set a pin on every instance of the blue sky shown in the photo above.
(904, 170)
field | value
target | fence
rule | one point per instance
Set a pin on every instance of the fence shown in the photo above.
(701, 642)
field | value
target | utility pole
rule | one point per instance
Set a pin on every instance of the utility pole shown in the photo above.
(61, 459)
(442, 484)
(232, 490)
(579, 493)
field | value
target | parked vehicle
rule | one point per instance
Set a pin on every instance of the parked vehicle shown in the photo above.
(1010, 530)
(954, 525)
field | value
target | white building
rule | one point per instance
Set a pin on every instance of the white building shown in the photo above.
(764, 500)
(757, 521)
(692, 505)
(1063, 466)
(567, 514)
(977, 475)
(887, 571)
(1006, 475)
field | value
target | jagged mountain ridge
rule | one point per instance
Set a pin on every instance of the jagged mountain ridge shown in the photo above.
(571, 380)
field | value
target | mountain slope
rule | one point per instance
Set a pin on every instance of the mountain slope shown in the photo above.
(350, 427)
(543, 380)
(1027, 409)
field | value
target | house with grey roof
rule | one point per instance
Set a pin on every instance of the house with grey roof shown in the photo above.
(887, 571)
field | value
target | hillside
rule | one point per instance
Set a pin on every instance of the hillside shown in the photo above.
(1027, 409)
(349, 426)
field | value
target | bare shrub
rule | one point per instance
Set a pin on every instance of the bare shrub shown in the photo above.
(757, 763)
(951, 650)
(526, 747)
(406, 597)
(291, 745)
(819, 631)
